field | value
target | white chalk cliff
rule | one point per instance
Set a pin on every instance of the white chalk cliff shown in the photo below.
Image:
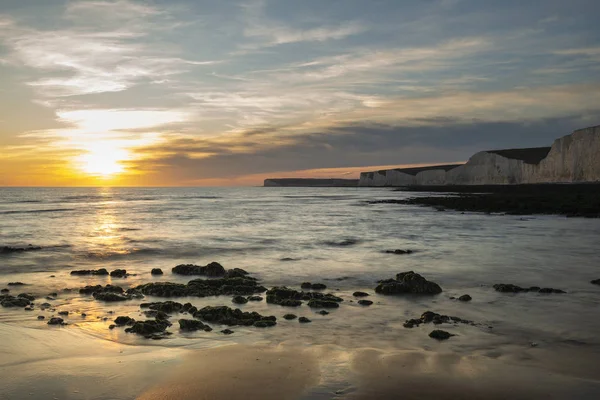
(572, 158)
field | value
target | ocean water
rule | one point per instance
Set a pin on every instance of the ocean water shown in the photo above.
(328, 235)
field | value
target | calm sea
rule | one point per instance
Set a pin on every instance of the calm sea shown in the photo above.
(329, 235)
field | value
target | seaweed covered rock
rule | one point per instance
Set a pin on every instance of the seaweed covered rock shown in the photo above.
(148, 328)
(510, 288)
(239, 300)
(7, 300)
(203, 287)
(119, 273)
(285, 296)
(440, 335)
(229, 316)
(124, 320)
(99, 272)
(213, 269)
(167, 307)
(156, 271)
(313, 286)
(191, 325)
(408, 282)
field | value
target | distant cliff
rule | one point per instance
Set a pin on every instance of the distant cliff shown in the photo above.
(572, 158)
(306, 182)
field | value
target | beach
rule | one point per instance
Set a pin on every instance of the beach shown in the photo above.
(528, 344)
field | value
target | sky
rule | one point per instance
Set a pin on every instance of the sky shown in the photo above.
(210, 93)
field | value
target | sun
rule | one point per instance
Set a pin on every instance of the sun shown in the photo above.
(104, 161)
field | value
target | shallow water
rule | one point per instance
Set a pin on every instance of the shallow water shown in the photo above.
(329, 233)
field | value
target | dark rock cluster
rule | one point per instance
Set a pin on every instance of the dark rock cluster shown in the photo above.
(22, 300)
(203, 287)
(213, 269)
(285, 296)
(313, 286)
(509, 288)
(191, 325)
(437, 319)
(228, 316)
(101, 272)
(408, 282)
(150, 329)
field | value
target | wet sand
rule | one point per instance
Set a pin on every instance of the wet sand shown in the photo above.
(65, 364)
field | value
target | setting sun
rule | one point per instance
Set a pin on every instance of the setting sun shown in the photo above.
(103, 161)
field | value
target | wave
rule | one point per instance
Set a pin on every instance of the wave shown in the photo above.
(37, 211)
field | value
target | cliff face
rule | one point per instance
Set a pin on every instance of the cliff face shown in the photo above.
(572, 158)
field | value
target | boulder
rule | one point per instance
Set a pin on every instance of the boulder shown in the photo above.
(156, 271)
(27, 296)
(265, 323)
(239, 300)
(236, 273)
(167, 307)
(226, 331)
(318, 303)
(465, 297)
(12, 301)
(440, 335)
(304, 320)
(124, 320)
(595, 282)
(360, 294)
(148, 327)
(285, 296)
(191, 325)
(119, 273)
(228, 316)
(99, 288)
(41, 317)
(408, 282)
(323, 312)
(64, 313)
(4, 291)
(289, 316)
(111, 297)
(255, 298)
(365, 302)
(313, 286)
(56, 321)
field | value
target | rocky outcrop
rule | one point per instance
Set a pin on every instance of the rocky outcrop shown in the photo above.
(408, 282)
(572, 158)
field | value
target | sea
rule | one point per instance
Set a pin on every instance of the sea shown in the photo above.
(335, 236)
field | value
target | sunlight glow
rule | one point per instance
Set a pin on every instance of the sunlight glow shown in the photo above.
(103, 160)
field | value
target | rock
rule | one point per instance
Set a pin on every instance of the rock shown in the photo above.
(16, 284)
(83, 315)
(227, 331)
(313, 286)
(255, 298)
(437, 319)
(399, 251)
(264, 323)
(213, 269)
(45, 306)
(157, 315)
(510, 288)
(112, 326)
(440, 335)
(111, 297)
(317, 303)
(7, 300)
(119, 273)
(167, 307)
(236, 273)
(284, 296)
(28, 308)
(228, 316)
(360, 294)
(100, 288)
(323, 312)
(595, 282)
(191, 325)
(203, 287)
(365, 302)
(156, 271)
(53, 294)
(4, 291)
(465, 297)
(289, 316)
(408, 282)
(27, 296)
(10, 249)
(148, 327)
(99, 272)
(304, 320)
(124, 320)
(63, 313)
(41, 317)
(56, 321)
(239, 300)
